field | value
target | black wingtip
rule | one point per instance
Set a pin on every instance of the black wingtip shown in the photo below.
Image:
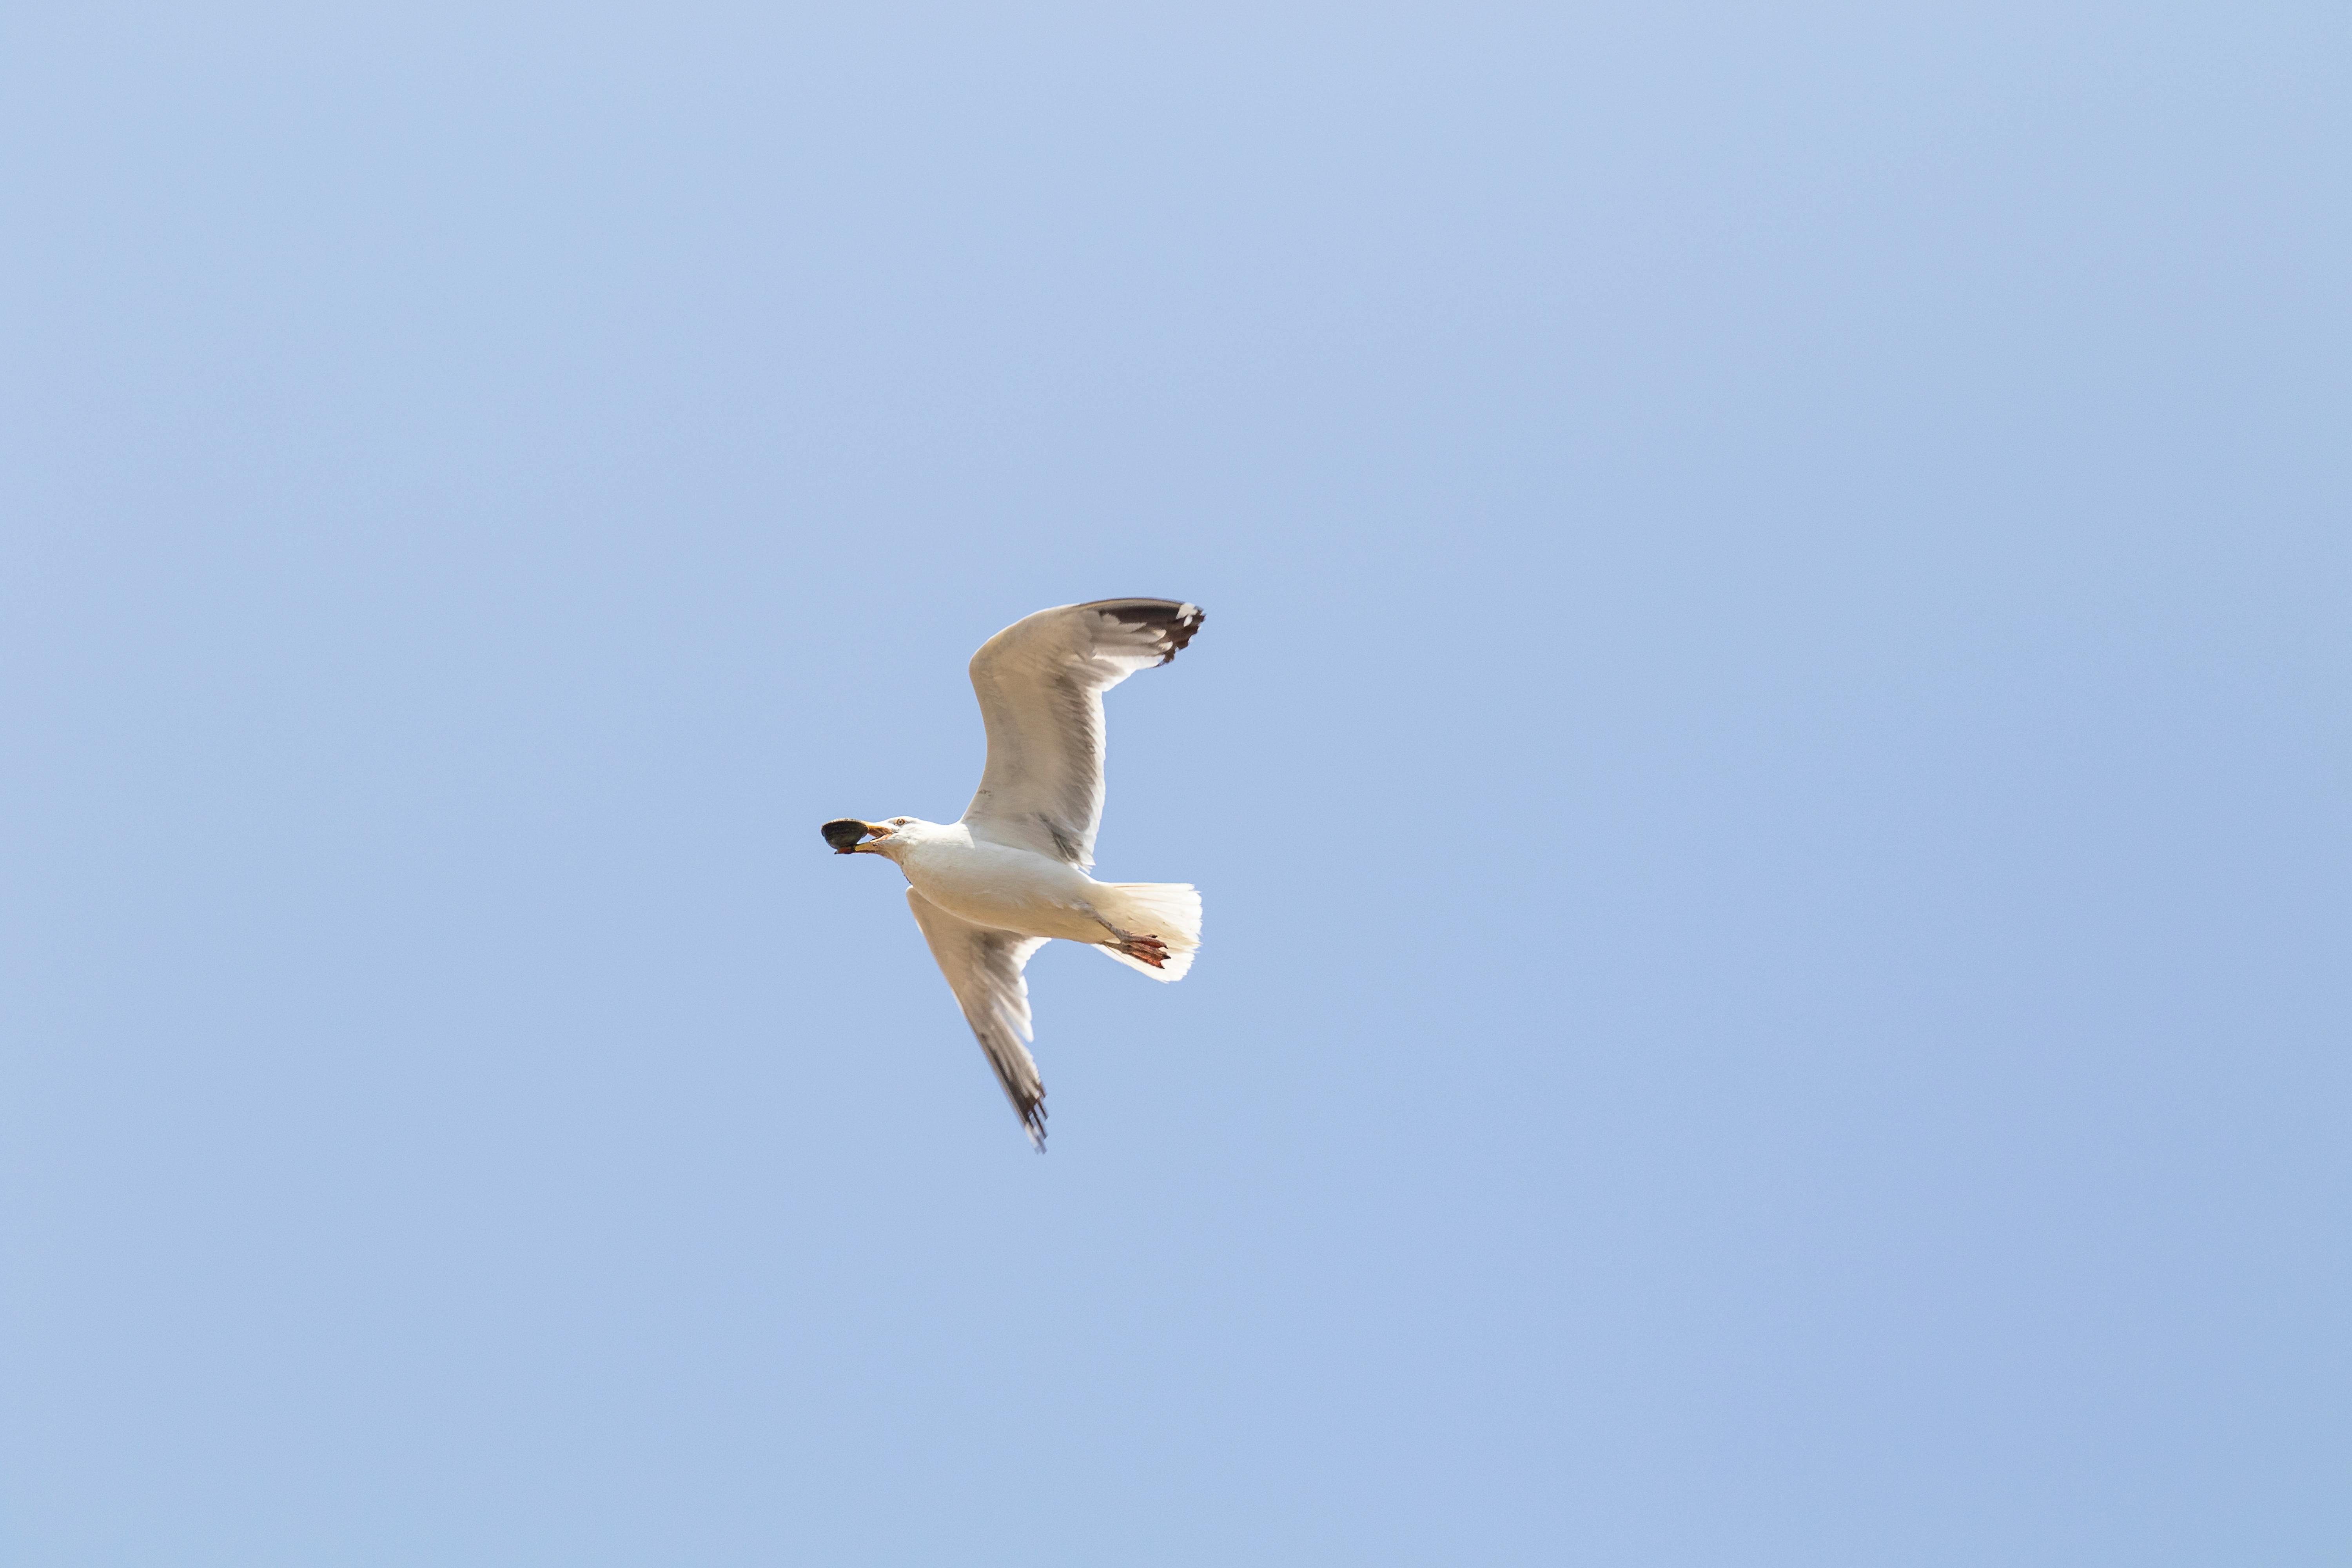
(1173, 619)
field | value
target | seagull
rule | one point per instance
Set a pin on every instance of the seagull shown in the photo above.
(990, 889)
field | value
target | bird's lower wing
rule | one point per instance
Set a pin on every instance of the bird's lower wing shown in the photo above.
(983, 969)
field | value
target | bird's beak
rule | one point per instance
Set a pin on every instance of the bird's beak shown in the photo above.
(844, 833)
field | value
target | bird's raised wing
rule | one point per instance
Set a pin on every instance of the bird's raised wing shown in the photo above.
(983, 969)
(1040, 682)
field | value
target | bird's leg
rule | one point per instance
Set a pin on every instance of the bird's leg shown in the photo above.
(1147, 950)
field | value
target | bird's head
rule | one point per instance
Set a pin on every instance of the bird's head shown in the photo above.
(848, 836)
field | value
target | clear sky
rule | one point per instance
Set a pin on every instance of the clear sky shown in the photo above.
(1768, 765)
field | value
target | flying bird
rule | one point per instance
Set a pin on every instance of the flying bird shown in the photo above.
(990, 889)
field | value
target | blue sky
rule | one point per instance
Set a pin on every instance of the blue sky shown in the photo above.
(1767, 765)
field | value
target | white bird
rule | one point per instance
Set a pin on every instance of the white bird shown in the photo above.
(990, 889)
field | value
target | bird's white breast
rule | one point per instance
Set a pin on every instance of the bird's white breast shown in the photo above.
(997, 885)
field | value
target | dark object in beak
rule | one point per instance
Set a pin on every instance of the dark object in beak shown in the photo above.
(842, 834)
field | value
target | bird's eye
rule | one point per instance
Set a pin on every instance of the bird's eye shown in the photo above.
(900, 821)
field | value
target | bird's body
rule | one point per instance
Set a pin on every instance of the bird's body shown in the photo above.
(990, 889)
(996, 884)
(1002, 887)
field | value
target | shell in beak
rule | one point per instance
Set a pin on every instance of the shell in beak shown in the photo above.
(842, 834)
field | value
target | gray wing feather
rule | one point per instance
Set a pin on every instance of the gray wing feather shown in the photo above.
(983, 969)
(1040, 683)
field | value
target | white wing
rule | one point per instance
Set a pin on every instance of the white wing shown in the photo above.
(983, 969)
(1040, 683)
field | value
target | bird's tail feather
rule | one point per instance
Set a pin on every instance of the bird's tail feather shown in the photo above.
(1169, 911)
